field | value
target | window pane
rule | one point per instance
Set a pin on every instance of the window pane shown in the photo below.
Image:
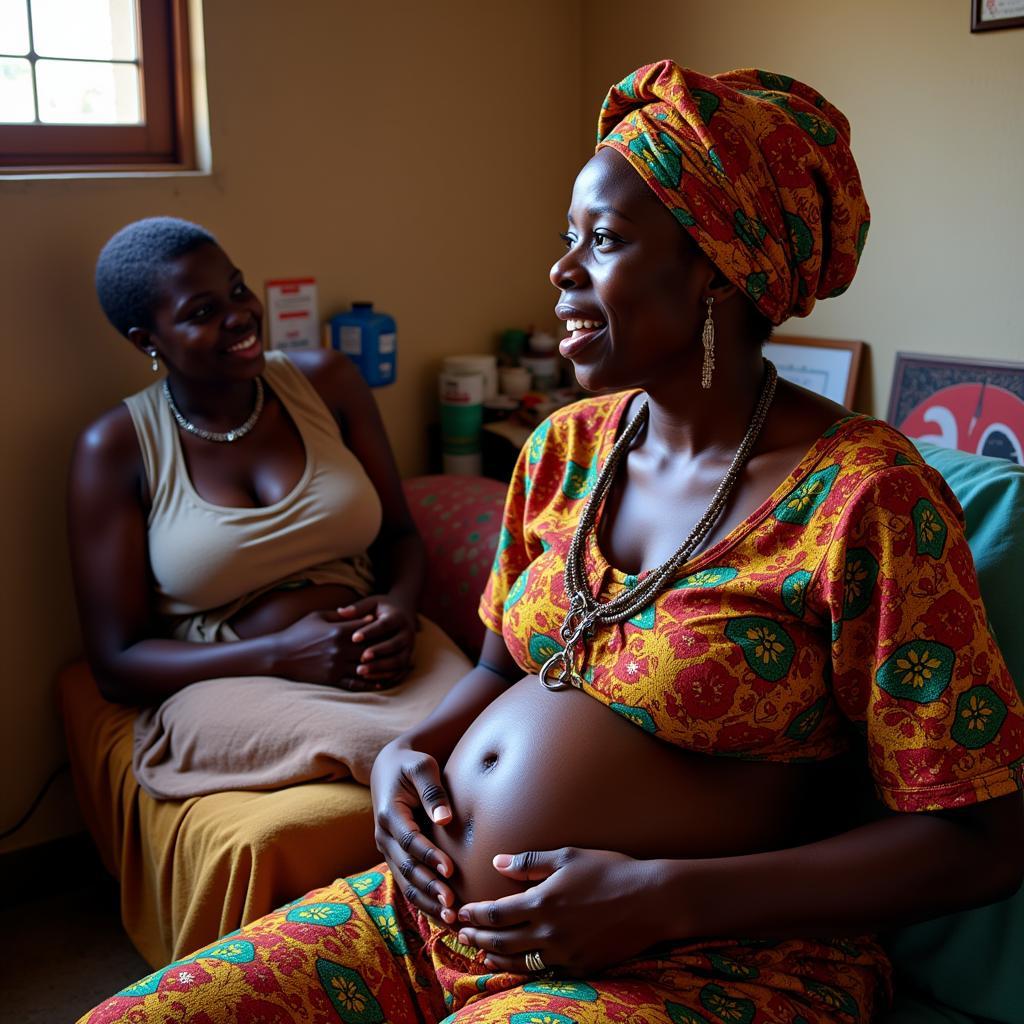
(97, 29)
(16, 103)
(74, 92)
(13, 26)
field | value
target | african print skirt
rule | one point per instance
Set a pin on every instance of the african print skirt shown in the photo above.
(358, 952)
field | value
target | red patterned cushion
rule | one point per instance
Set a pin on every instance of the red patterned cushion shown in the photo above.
(459, 518)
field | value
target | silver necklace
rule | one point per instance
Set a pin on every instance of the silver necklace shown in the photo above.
(213, 435)
(585, 612)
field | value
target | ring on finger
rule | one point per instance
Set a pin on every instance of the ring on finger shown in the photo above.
(534, 963)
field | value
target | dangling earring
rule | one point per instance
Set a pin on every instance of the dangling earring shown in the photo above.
(708, 338)
(156, 362)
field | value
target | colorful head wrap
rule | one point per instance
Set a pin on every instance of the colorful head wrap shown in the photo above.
(756, 167)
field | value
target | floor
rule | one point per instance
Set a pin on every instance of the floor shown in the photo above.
(62, 950)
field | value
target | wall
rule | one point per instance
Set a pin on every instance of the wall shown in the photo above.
(938, 133)
(403, 152)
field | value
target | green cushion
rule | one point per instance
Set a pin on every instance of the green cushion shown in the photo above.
(909, 1007)
(991, 492)
(974, 962)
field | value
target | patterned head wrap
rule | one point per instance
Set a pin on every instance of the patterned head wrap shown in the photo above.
(756, 167)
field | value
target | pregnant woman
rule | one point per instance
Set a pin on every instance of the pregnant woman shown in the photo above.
(714, 591)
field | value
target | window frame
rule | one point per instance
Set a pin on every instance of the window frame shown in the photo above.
(166, 141)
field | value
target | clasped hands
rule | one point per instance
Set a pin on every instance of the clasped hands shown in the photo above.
(366, 645)
(587, 909)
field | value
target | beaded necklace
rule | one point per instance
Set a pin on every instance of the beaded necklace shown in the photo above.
(586, 613)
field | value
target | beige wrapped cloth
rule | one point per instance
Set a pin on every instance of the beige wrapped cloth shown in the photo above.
(263, 732)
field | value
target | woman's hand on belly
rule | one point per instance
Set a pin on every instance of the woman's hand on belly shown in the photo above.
(324, 634)
(389, 637)
(589, 909)
(321, 648)
(406, 786)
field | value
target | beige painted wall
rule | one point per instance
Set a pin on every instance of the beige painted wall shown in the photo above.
(938, 133)
(403, 152)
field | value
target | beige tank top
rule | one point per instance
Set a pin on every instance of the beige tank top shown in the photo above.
(206, 557)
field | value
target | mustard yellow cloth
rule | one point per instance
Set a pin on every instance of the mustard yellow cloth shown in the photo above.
(192, 870)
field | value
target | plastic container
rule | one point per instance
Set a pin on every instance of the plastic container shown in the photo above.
(515, 381)
(542, 343)
(513, 345)
(462, 396)
(369, 339)
(483, 364)
(544, 370)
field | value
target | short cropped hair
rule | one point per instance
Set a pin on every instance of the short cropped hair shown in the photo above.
(129, 266)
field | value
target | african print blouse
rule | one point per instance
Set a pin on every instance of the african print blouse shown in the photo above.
(846, 603)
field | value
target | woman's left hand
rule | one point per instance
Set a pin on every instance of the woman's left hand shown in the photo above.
(587, 911)
(389, 638)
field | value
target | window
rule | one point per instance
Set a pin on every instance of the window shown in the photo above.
(91, 84)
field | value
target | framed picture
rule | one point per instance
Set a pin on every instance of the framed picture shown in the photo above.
(969, 404)
(990, 14)
(823, 365)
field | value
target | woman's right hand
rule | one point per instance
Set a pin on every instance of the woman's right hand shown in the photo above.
(405, 782)
(318, 648)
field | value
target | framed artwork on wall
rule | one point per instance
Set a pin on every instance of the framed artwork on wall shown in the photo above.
(823, 365)
(990, 14)
(970, 404)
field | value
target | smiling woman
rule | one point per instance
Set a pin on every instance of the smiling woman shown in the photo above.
(240, 539)
(709, 601)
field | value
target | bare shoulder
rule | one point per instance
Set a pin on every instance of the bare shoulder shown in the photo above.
(335, 377)
(107, 456)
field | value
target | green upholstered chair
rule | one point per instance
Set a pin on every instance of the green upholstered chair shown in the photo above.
(969, 967)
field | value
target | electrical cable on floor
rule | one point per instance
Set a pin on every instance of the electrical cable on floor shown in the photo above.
(38, 799)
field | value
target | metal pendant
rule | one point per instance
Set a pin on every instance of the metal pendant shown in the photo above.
(558, 673)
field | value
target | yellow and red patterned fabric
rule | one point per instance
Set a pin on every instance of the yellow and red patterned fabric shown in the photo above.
(357, 951)
(756, 167)
(848, 599)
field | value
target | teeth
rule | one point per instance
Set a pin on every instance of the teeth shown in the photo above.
(582, 325)
(244, 343)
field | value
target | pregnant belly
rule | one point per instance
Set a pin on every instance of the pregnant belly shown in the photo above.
(277, 609)
(538, 770)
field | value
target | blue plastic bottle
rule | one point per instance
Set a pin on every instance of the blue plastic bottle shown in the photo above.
(369, 339)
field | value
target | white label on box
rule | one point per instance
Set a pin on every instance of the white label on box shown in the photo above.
(387, 344)
(352, 341)
(292, 313)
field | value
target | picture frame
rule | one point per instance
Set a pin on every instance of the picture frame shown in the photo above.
(987, 15)
(826, 366)
(971, 404)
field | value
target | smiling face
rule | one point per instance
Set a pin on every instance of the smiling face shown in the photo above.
(206, 323)
(632, 284)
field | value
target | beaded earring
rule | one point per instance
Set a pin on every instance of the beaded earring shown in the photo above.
(708, 338)
(156, 362)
